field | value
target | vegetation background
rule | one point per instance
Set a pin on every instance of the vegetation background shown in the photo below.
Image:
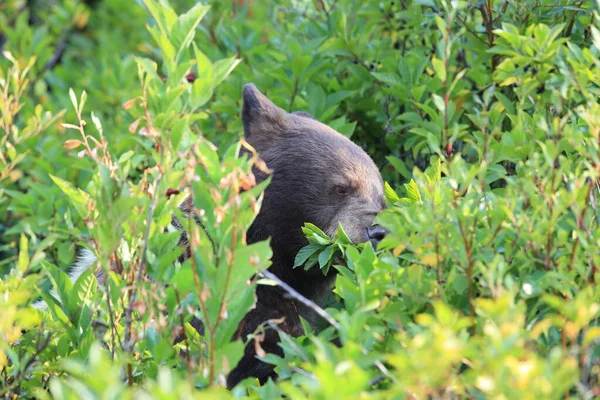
(482, 115)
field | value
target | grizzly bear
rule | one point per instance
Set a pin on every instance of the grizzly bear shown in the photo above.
(319, 176)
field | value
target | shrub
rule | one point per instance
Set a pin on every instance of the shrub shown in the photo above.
(483, 118)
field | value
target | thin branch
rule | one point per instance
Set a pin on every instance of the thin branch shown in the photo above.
(470, 288)
(128, 311)
(128, 339)
(192, 241)
(294, 94)
(470, 30)
(323, 7)
(185, 339)
(569, 28)
(294, 294)
(382, 368)
(58, 51)
(234, 233)
(287, 339)
(502, 11)
(113, 328)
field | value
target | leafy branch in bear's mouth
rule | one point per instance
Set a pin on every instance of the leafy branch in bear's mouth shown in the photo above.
(322, 249)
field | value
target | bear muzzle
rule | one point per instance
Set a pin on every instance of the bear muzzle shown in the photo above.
(375, 234)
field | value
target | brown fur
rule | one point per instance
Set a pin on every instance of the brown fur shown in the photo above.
(319, 176)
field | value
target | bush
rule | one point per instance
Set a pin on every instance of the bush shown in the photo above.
(482, 117)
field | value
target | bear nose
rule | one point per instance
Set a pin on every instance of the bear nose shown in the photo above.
(376, 233)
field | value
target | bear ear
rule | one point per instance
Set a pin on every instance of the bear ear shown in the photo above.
(259, 115)
(304, 114)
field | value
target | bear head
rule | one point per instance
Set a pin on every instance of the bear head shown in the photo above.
(319, 176)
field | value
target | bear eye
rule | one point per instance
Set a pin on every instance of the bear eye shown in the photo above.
(342, 190)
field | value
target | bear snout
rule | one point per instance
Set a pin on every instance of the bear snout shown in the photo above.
(375, 234)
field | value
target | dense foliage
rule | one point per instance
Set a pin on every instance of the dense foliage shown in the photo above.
(483, 117)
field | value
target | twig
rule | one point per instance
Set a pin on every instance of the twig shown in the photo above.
(199, 290)
(294, 94)
(113, 328)
(502, 11)
(234, 233)
(185, 339)
(322, 4)
(287, 339)
(293, 293)
(382, 368)
(58, 51)
(572, 22)
(375, 380)
(470, 30)
(486, 10)
(304, 373)
(471, 290)
(127, 345)
(128, 339)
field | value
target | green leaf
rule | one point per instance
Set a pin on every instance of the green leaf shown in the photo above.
(390, 195)
(82, 101)
(305, 253)
(313, 230)
(168, 51)
(79, 199)
(12, 152)
(149, 67)
(23, 261)
(73, 99)
(439, 102)
(164, 16)
(441, 24)
(82, 289)
(179, 128)
(325, 256)
(413, 192)
(300, 64)
(591, 335)
(246, 262)
(202, 88)
(596, 37)
(229, 355)
(223, 68)
(457, 78)
(391, 79)
(342, 236)
(237, 308)
(312, 261)
(506, 103)
(316, 238)
(439, 68)
(334, 46)
(434, 172)
(60, 281)
(399, 165)
(184, 29)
